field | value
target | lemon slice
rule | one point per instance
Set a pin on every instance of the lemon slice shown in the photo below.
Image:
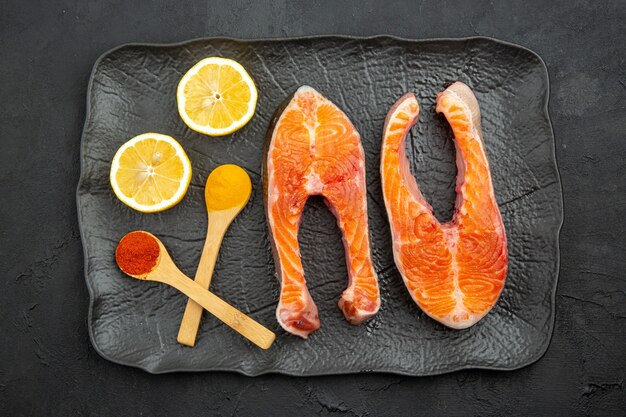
(150, 172)
(216, 97)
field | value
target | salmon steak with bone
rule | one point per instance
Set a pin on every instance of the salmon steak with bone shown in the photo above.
(455, 271)
(312, 148)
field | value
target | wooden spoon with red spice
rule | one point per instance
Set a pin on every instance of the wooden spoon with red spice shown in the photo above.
(141, 255)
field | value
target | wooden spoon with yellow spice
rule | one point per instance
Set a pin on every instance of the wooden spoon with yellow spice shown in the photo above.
(141, 255)
(227, 191)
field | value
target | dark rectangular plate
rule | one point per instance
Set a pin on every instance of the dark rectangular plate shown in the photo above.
(132, 91)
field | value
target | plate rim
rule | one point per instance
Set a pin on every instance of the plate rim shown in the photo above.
(546, 101)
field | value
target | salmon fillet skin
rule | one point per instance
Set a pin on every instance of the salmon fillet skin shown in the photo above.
(312, 148)
(455, 271)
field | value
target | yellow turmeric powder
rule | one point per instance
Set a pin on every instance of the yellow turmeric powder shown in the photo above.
(228, 186)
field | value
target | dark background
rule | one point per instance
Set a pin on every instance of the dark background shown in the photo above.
(47, 364)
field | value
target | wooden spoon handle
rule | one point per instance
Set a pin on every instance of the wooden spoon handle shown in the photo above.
(244, 325)
(193, 311)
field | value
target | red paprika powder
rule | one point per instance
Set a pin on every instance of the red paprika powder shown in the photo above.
(137, 253)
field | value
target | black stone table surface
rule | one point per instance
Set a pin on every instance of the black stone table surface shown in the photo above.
(47, 364)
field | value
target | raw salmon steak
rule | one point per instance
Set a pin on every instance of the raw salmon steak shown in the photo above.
(453, 271)
(313, 149)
